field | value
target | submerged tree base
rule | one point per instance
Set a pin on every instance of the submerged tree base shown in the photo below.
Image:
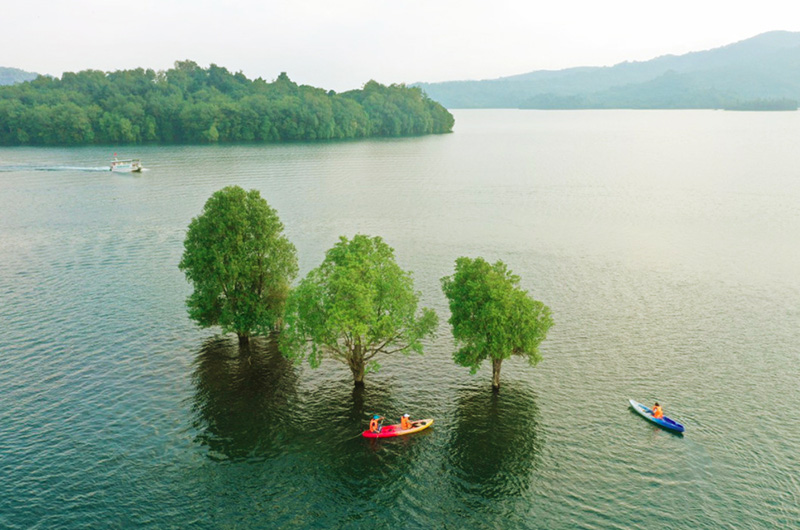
(358, 371)
(496, 363)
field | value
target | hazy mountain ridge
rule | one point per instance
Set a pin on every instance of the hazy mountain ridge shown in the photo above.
(765, 67)
(10, 76)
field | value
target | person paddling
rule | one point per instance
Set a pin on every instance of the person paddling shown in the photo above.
(657, 412)
(375, 423)
(405, 422)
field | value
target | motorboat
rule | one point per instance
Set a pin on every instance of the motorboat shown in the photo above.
(132, 165)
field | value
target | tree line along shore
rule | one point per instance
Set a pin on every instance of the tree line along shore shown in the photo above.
(357, 306)
(195, 105)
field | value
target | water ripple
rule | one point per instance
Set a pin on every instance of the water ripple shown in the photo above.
(117, 411)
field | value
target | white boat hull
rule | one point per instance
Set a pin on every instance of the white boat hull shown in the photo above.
(126, 166)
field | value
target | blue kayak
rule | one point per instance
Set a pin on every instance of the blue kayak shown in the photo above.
(662, 422)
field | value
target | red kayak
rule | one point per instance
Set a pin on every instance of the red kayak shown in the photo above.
(388, 431)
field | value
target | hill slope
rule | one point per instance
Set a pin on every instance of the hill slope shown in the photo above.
(762, 68)
(9, 76)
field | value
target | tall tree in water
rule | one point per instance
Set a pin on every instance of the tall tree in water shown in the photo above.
(240, 263)
(492, 317)
(356, 305)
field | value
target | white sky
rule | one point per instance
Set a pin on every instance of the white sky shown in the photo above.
(341, 44)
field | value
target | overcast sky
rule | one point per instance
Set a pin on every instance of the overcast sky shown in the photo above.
(341, 44)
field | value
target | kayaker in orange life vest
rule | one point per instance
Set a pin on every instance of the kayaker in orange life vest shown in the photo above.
(405, 423)
(375, 423)
(657, 412)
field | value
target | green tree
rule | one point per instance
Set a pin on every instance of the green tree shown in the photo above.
(492, 317)
(357, 304)
(240, 263)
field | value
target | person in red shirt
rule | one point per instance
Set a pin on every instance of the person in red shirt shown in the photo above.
(657, 412)
(375, 423)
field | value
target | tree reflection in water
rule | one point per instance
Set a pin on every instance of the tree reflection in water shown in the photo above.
(241, 398)
(495, 443)
(304, 436)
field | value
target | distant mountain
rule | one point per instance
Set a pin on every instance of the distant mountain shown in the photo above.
(10, 76)
(762, 72)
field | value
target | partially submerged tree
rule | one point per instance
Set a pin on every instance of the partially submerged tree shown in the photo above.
(356, 305)
(240, 263)
(492, 317)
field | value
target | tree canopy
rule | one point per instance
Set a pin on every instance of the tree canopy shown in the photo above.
(356, 305)
(191, 104)
(239, 262)
(492, 317)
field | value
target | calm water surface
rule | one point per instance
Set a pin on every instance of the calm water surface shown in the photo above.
(667, 245)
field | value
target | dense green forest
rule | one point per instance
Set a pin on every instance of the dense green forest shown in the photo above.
(191, 104)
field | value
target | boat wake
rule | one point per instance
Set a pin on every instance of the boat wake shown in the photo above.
(24, 167)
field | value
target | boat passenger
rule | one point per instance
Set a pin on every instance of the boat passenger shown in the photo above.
(405, 422)
(375, 423)
(657, 412)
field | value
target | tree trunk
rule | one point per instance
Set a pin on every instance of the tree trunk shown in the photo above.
(358, 373)
(356, 363)
(244, 340)
(496, 374)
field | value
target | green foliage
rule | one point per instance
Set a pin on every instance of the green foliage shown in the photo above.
(357, 304)
(398, 110)
(491, 316)
(190, 104)
(240, 263)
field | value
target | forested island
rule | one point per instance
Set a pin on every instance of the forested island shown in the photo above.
(191, 104)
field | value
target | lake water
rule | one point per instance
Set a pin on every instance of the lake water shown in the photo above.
(666, 243)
